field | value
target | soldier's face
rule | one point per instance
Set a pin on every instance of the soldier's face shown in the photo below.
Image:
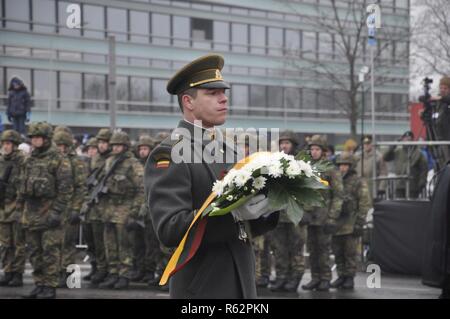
(37, 141)
(144, 151)
(316, 152)
(343, 168)
(7, 147)
(444, 90)
(118, 148)
(102, 146)
(367, 147)
(210, 106)
(286, 146)
(92, 151)
(62, 148)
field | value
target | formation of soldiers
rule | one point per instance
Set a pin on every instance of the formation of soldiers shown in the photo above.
(54, 201)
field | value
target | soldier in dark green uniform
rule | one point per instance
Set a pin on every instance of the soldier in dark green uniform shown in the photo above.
(357, 202)
(288, 239)
(45, 192)
(12, 238)
(322, 221)
(95, 216)
(124, 199)
(71, 221)
(177, 185)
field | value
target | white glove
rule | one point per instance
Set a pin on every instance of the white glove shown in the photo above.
(255, 208)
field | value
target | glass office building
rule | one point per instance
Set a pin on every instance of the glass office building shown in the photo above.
(66, 69)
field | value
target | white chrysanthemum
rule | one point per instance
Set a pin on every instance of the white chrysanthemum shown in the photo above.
(218, 187)
(242, 176)
(228, 179)
(275, 169)
(259, 183)
(293, 169)
(230, 198)
(306, 168)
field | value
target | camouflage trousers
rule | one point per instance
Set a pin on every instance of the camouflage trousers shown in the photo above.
(345, 254)
(318, 244)
(45, 255)
(12, 247)
(95, 235)
(70, 240)
(154, 256)
(262, 256)
(119, 253)
(288, 242)
(138, 244)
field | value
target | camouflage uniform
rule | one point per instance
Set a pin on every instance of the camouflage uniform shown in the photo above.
(46, 189)
(357, 202)
(124, 199)
(321, 222)
(288, 241)
(71, 220)
(12, 237)
(95, 218)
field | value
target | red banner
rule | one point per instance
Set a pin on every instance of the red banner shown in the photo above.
(416, 124)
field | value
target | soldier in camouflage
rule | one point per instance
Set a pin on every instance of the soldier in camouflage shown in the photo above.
(124, 199)
(95, 221)
(45, 192)
(322, 221)
(12, 237)
(288, 239)
(357, 202)
(71, 218)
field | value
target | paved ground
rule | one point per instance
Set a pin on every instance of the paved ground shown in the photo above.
(392, 287)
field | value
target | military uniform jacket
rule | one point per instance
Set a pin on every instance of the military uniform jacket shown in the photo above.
(8, 210)
(79, 173)
(46, 186)
(223, 266)
(95, 214)
(356, 204)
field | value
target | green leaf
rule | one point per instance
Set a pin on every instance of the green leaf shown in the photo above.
(226, 210)
(294, 211)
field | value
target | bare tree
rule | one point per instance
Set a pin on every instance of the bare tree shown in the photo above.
(345, 23)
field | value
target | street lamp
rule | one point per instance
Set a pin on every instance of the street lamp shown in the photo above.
(362, 74)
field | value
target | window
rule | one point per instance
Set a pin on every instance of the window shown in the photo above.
(239, 34)
(24, 74)
(160, 29)
(69, 90)
(309, 101)
(292, 43)
(140, 91)
(258, 95)
(325, 100)
(221, 33)
(44, 89)
(17, 10)
(202, 32)
(309, 45)
(384, 102)
(117, 23)
(62, 20)
(122, 88)
(181, 27)
(160, 97)
(292, 98)
(94, 18)
(257, 39)
(275, 97)
(95, 89)
(325, 46)
(139, 27)
(239, 95)
(43, 11)
(2, 82)
(275, 41)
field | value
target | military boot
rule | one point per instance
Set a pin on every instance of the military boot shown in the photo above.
(147, 277)
(292, 284)
(98, 277)
(137, 276)
(122, 283)
(348, 283)
(33, 293)
(278, 285)
(92, 272)
(154, 282)
(109, 282)
(17, 280)
(313, 284)
(262, 282)
(338, 282)
(324, 285)
(47, 293)
(7, 277)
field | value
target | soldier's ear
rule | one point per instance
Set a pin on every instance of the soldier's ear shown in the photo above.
(186, 101)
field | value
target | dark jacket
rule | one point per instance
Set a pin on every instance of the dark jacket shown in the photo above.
(19, 102)
(224, 265)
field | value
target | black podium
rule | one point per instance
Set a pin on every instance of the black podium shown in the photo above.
(399, 233)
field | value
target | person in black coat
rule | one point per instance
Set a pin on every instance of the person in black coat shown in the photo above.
(176, 187)
(19, 105)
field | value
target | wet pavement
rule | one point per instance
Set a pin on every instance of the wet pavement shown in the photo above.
(392, 287)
